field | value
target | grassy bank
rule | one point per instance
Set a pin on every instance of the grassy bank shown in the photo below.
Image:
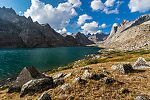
(107, 56)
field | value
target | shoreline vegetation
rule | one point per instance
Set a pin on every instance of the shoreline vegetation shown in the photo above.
(105, 56)
(96, 63)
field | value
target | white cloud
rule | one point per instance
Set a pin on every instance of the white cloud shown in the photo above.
(90, 27)
(114, 11)
(75, 3)
(109, 7)
(58, 17)
(97, 5)
(64, 30)
(99, 31)
(139, 5)
(83, 18)
(110, 3)
(115, 24)
(103, 25)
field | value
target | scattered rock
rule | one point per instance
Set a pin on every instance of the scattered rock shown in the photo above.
(86, 75)
(45, 96)
(36, 85)
(66, 87)
(59, 81)
(86, 68)
(68, 75)
(141, 98)
(141, 63)
(124, 91)
(61, 97)
(97, 76)
(59, 75)
(108, 80)
(79, 80)
(27, 74)
(123, 68)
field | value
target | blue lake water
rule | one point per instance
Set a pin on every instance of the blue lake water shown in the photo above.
(13, 60)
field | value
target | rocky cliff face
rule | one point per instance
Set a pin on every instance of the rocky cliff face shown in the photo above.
(97, 37)
(82, 39)
(78, 39)
(130, 35)
(19, 31)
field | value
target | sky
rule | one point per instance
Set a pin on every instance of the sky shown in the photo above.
(86, 16)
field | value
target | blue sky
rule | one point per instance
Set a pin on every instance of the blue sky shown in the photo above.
(100, 14)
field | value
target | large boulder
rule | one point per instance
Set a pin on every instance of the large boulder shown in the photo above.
(27, 74)
(122, 68)
(141, 63)
(36, 85)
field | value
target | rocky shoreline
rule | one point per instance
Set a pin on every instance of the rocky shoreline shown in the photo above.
(58, 84)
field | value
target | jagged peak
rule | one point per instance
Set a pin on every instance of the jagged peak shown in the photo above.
(142, 19)
(30, 19)
(10, 10)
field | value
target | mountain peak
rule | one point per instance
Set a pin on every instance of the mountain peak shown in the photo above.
(10, 10)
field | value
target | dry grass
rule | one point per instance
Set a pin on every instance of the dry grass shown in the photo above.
(137, 83)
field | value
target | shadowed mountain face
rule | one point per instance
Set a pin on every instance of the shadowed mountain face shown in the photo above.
(78, 39)
(19, 31)
(97, 37)
(130, 35)
(82, 39)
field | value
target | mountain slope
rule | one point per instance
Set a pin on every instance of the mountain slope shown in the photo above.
(97, 37)
(82, 39)
(19, 31)
(130, 35)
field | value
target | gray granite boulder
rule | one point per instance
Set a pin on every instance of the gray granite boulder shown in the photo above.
(123, 68)
(66, 87)
(27, 74)
(141, 63)
(36, 85)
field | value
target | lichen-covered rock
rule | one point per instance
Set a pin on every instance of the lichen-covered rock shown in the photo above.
(36, 85)
(141, 63)
(79, 80)
(142, 98)
(27, 74)
(68, 75)
(66, 87)
(59, 81)
(86, 75)
(58, 75)
(45, 96)
(122, 68)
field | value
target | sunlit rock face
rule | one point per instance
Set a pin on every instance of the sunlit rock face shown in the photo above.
(130, 35)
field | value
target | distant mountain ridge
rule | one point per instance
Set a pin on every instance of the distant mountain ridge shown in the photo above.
(98, 37)
(19, 31)
(78, 39)
(130, 35)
